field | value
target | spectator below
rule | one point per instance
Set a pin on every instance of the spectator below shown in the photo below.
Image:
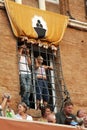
(85, 122)
(66, 116)
(80, 116)
(22, 112)
(5, 99)
(45, 111)
(51, 118)
(9, 112)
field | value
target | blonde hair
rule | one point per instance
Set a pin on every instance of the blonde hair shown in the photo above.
(24, 105)
(39, 57)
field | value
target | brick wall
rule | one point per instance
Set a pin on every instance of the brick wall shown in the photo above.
(77, 9)
(52, 7)
(49, 6)
(73, 54)
(74, 61)
(9, 80)
(33, 3)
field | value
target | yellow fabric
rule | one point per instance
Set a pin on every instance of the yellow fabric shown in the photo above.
(22, 20)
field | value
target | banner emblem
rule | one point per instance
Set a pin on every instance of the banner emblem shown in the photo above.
(40, 26)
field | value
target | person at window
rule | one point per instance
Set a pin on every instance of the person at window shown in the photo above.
(65, 116)
(25, 73)
(22, 112)
(42, 93)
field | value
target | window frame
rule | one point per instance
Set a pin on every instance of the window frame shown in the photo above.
(33, 56)
(52, 1)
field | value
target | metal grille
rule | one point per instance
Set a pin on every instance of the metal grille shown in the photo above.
(58, 93)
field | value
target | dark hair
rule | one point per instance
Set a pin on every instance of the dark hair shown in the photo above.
(21, 42)
(68, 103)
(43, 109)
(77, 114)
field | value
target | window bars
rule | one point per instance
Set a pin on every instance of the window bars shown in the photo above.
(58, 93)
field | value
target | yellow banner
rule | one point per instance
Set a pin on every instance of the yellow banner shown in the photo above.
(35, 23)
(8, 124)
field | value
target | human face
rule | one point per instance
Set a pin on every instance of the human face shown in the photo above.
(23, 46)
(21, 109)
(47, 112)
(85, 122)
(40, 60)
(68, 109)
(82, 114)
(51, 118)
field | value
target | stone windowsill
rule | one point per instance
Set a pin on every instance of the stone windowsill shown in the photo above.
(77, 24)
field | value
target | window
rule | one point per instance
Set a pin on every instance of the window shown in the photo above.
(53, 1)
(55, 84)
(47, 55)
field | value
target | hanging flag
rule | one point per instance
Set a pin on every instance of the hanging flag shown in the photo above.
(35, 23)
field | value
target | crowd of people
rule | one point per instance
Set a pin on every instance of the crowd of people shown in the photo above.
(64, 117)
(7, 111)
(42, 93)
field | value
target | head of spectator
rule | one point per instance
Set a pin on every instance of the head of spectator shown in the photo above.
(45, 111)
(81, 113)
(5, 99)
(85, 121)
(22, 108)
(9, 112)
(68, 108)
(80, 116)
(51, 118)
(22, 49)
(40, 59)
(22, 112)
(66, 116)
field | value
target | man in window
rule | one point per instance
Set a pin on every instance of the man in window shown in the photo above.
(25, 73)
(42, 93)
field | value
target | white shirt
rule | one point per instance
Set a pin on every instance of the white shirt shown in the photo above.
(41, 71)
(0, 107)
(23, 65)
(29, 118)
(1, 111)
